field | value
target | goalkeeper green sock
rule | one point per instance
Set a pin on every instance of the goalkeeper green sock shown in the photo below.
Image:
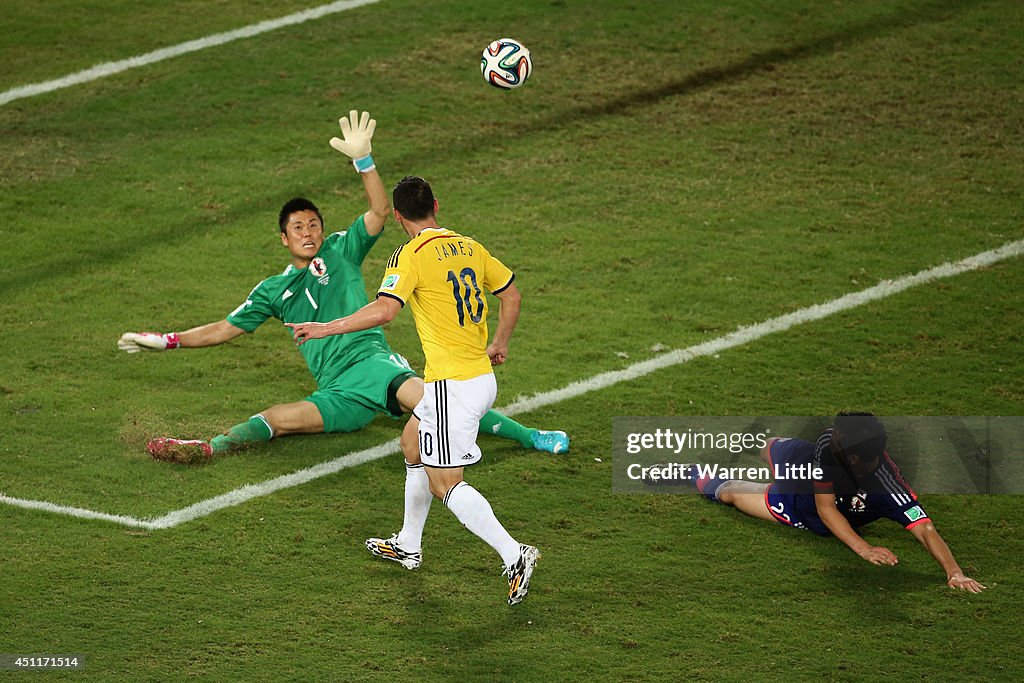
(254, 430)
(497, 424)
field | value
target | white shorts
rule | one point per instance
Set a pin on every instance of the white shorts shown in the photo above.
(450, 414)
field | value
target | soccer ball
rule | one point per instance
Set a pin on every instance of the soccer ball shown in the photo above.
(506, 64)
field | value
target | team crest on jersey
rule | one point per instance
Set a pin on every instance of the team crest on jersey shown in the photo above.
(857, 502)
(319, 268)
(390, 282)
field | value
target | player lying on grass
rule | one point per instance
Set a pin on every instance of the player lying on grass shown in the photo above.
(859, 483)
(444, 277)
(357, 375)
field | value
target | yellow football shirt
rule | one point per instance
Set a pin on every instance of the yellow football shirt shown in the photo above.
(443, 276)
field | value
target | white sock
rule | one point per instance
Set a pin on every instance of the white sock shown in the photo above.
(475, 513)
(417, 506)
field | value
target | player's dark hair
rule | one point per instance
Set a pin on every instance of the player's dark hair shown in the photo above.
(413, 198)
(294, 205)
(861, 434)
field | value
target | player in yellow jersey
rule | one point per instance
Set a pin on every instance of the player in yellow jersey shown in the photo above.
(443, 276)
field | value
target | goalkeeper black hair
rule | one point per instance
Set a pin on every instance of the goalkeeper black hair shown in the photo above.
(413, 198)
(294, 205)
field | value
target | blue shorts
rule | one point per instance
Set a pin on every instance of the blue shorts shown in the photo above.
(787, 503)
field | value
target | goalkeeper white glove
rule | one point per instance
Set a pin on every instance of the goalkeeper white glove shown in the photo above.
(356, 132)
(133, 342)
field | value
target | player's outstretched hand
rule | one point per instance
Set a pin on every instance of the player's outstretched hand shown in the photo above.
(964, 583)
(133, 342)
(303, 332)
(876, 554)
(356, 133)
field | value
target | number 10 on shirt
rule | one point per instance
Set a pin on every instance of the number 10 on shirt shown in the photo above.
(464, 286)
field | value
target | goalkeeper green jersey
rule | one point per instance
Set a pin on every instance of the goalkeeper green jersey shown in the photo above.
(330, 287)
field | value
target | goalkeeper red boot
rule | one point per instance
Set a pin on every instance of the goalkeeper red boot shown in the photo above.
(185, 451)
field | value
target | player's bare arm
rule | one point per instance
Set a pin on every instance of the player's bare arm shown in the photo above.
(508, 316)
(841, 529)
(937, 548)
(378, 312)
(210, 334)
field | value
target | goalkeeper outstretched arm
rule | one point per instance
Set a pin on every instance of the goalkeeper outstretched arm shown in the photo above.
(210, 334)
(355, 142)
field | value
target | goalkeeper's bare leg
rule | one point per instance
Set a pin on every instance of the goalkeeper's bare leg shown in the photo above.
(284, 419)
(301, 417)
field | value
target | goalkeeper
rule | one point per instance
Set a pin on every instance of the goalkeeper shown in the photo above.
(358, 375)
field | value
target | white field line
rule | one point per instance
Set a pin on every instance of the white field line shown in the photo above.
(111, 68)
(235, 497)
(741, 336)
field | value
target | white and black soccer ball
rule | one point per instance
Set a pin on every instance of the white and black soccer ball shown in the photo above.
(506, 64)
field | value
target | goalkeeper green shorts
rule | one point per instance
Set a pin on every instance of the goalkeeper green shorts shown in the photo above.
(356, 396)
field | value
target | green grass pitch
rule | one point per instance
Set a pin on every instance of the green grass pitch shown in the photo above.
(672, 171)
